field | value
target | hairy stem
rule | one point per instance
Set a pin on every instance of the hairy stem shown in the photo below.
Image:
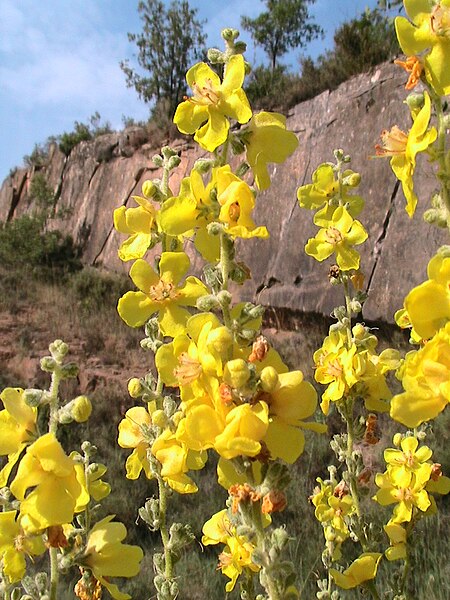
(168, 564)
(54, 575)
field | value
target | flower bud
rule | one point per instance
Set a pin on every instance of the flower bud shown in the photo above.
(229, 35)
(224, 297)
(216, 56)
(214, 228)
(240, 47)
(69, 370)
(220, 339)
(236, 373)
(203, 165)
(159, 418)
(135, 387)
(415, 101)
(58, 349)
(158, 160)
(352, 179)
(48, 364)
(397, 439)
(207, 303)
(81, 409)
(148, 188)
(173, 162)
(269, 379)
(33, 397)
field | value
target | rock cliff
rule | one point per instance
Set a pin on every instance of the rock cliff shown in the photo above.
(101, 175)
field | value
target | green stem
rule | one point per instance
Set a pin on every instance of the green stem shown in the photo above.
(443, 174)
(168, 564)
(53, 402)
(269, 582)
(225, 270)
(370, 585)
(54, 575)
(224, 156)
(7, 591)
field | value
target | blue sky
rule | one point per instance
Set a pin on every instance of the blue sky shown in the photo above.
(59, 61)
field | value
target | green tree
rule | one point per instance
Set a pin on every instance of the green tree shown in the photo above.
(286, 24)
(171, 40)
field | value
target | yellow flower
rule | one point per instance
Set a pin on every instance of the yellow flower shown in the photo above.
(106, 556)
(429, 32)
(191, 211)
(291, 400)
(268, 141)
(132, 434)
(403, 149)
(237, 202)
(325, 190)
(176, 460)
(161, 293)
(140, 224)
(57, 492)
(245, 427)
(342, 233)
(403, 463)
(15, 544)
(213, 101)
(362, 569)
(17, 428)
(425, 377)
(397, 538)
(428, 304)
(237, 554)
(407, 494)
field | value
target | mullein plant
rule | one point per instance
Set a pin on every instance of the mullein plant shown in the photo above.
(348, 364)
(218, 386)
(50, 499)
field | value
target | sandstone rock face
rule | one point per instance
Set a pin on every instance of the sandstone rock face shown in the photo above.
(101, 175)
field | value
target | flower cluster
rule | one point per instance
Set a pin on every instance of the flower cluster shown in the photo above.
(220, 386)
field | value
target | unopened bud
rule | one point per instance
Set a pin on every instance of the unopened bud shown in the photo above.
(159, 418)
(224, 297)
(148, 188)
(269, 379)
(229, 35)
(207, 303)
(214, 228)
(48, 364)
(220, 339)
(81, 409)
(352, 179)
(240, 47)
(58, 349)
(415, 101)
(397, 440)
(69, 370)
(236, 373)
(158, 160)
(33, 397)
(135, 387)
(215, 56)
(173, 162)
(203, 165)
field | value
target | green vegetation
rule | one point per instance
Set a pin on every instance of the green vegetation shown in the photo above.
(171, 40)
(359, 45)
(83, 132)
(27, 250)
(285, 25)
